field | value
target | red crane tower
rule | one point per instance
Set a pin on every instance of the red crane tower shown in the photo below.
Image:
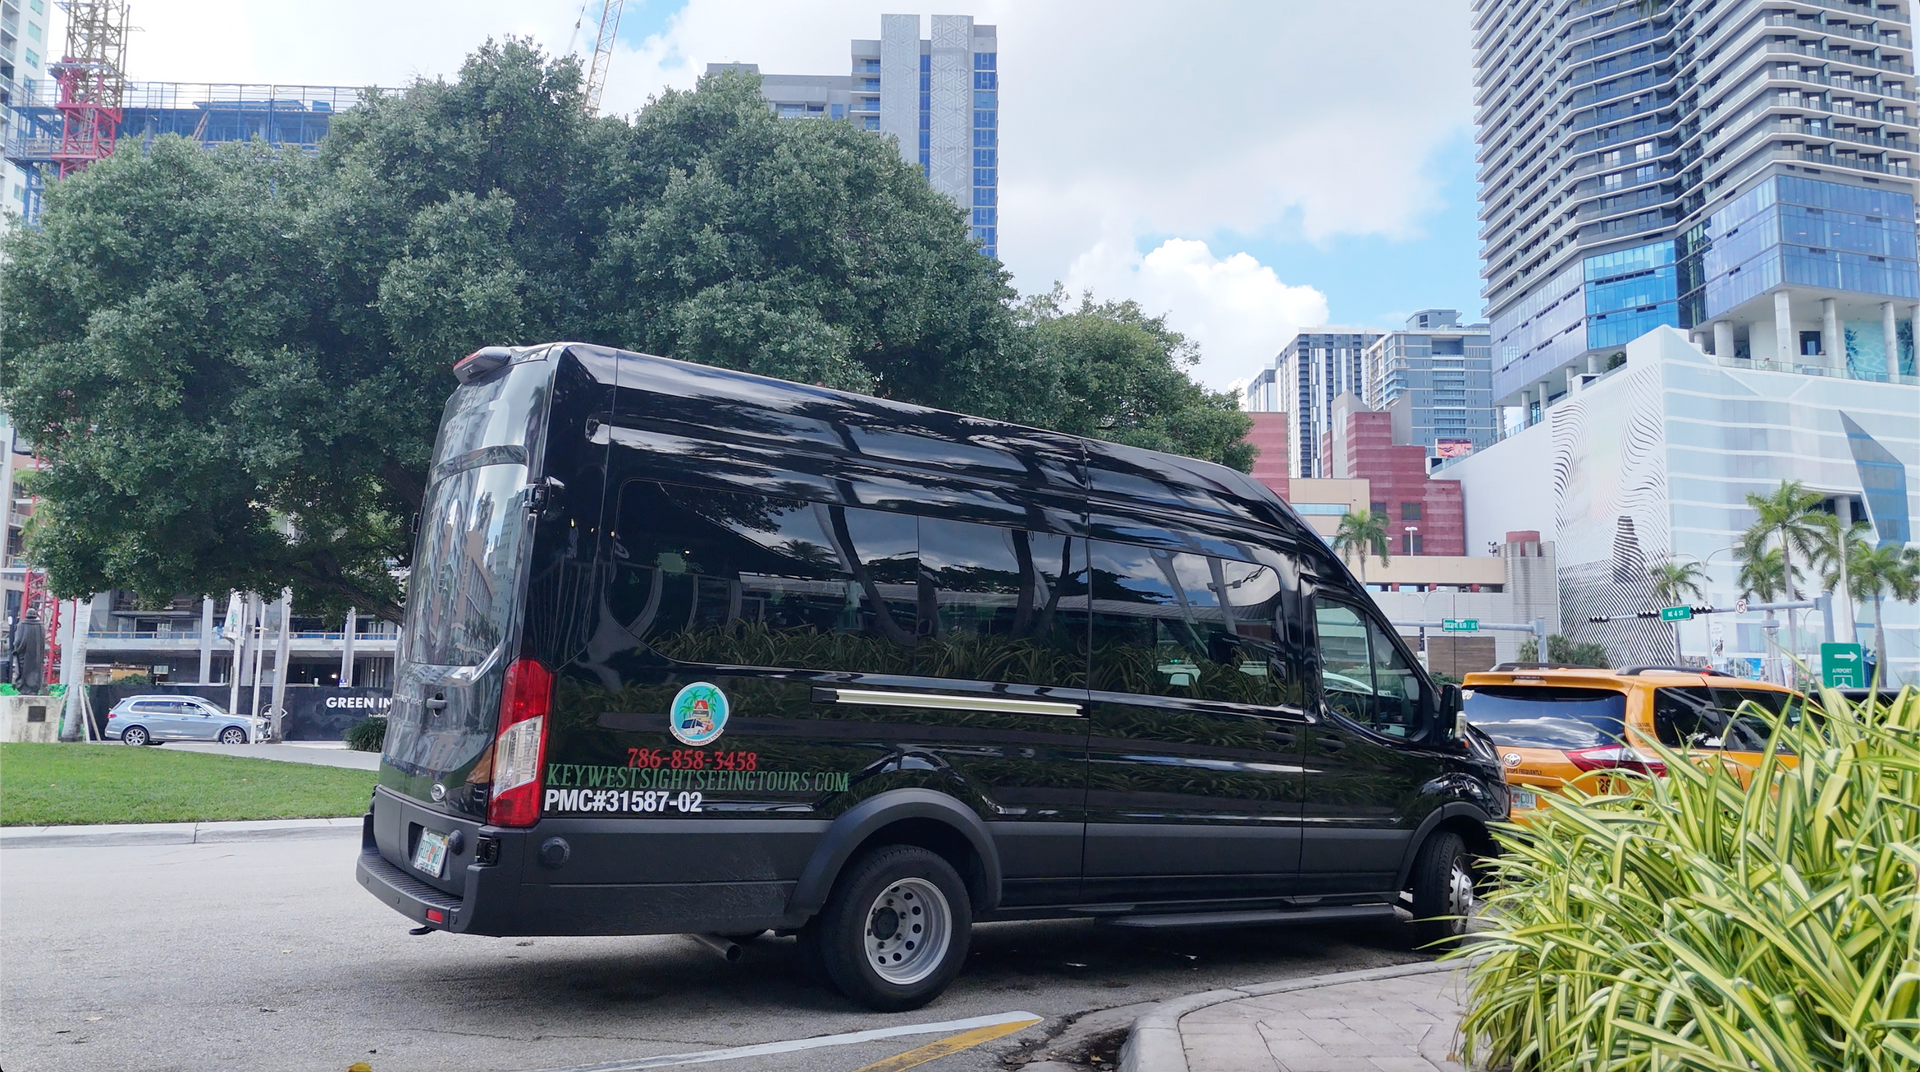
(92, 78)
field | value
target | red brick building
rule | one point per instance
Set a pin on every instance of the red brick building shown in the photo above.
(1424, 516)
(1269, 437)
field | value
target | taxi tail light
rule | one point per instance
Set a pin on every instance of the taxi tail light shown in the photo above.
(1616, 757)
(521, 745)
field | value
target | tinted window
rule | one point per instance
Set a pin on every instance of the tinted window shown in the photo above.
(717, 577)
(460, 595)
(1364, 675)
(1175, 624)
(1006, 604)
(1547, 717)
(493, 421)
(1713, 718)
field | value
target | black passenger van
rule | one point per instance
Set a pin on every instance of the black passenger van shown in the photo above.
(695, 651)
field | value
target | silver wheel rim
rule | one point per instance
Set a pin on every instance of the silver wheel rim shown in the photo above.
(230, 736)
(1460, 899)
(135, 737)
(908, 930)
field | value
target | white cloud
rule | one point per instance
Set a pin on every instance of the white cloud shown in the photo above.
(1236, 308)
(1122, 125)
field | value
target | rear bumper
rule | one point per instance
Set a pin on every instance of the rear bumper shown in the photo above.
(721, 875)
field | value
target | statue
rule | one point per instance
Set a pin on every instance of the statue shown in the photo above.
(29, 649)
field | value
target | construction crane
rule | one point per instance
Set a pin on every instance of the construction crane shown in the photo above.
(602, 49)
(92, 78)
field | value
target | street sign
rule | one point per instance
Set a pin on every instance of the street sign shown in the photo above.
(1740, 605)
(1842, 667)
(1676, 614)
(1459, 625)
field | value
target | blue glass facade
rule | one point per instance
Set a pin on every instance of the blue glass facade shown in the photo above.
(986, 152)
(1805, 232)
(1630, 292)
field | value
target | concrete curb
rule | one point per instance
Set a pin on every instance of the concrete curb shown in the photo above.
(48, 837)
(1154, 1043)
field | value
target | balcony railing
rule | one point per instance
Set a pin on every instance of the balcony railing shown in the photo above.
(1847, 84)
(1859, 163)
(1888, 38)
(1771, 365)
(1832, 56)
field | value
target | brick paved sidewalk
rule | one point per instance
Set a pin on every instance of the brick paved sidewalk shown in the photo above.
(1407, 1023)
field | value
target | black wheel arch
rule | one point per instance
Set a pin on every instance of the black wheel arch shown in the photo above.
(1459, 817)
(924, 817)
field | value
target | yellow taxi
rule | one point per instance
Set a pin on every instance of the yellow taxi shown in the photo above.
(1554, 726)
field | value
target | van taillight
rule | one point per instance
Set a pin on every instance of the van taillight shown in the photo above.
(521, 745)
(1616, 757)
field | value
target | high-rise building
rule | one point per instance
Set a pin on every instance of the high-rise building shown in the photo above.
(26, 45)
(1313, 368)
(939, 97)
(1743, 170)
(1436, 379)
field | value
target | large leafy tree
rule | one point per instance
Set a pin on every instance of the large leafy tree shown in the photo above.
(1675, 581)
(233, 363)
(1786, 516)
(1361, 534)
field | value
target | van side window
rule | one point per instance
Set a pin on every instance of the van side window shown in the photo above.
(1364, 675)
(1002, 604)
(705, 576)
(1168, 623)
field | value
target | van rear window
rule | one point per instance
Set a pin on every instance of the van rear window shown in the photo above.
(1562, 718)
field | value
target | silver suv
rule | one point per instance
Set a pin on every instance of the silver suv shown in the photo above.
(155, 719)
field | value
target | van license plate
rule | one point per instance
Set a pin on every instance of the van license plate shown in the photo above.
(431, 854)
(1525, 800)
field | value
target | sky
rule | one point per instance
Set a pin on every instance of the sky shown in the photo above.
(1246, 169)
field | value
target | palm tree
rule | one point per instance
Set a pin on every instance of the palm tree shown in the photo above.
(1363, 533)
(1787, 517)
(1881, 571)
(1676, 582)
(1832, 553)
(1763, 575)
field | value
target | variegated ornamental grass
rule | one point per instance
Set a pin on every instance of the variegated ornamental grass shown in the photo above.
(1688, 922)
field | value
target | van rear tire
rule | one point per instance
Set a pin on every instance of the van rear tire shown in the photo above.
(896, 930)
(1443, 891)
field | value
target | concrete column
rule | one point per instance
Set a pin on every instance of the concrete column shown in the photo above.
(1783, 328)
(1890, 335)
(1847, 634)
(206, 640)
(346, 646)
(1723, 338)
(1833, 345)
(1593, 363)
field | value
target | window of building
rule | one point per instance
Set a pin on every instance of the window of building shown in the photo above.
(983, 195)
(870, 83)
(868, 65)
(1410, 511)
(32, 60)
(985, 61)
(983, 176)
(33, 30)
(872, 122)
(986, 158)
(985, 138)
(839, 111)
(984, 217)
(37, 6)
(790, 111)
(1320, 509)
(985, 119)
(986, 80)
(985, 99)
(1378, 508)
(1643, 150)
(1412, 544)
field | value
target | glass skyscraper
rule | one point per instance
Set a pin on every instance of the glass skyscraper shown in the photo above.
(1743, 170)
(938, 96)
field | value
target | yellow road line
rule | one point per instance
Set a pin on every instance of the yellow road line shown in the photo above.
(966, 1040)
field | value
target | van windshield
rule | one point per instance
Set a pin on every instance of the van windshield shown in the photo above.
(1547, 717)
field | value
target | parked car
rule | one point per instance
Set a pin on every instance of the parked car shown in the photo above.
(157, 719)
(1556, 725)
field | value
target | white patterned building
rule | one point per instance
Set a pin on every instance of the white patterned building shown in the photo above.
(1653, 460)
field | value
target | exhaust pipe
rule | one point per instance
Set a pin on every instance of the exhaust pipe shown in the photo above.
(728, 949)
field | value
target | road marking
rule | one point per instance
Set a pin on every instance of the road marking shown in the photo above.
(852, 1038)
(899, 1062)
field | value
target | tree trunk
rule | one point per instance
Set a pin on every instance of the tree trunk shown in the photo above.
(1786, 575)
(1879, 641)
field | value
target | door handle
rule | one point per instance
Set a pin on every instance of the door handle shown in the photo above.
(1285, 738)
(437, 702)
(1330, 744)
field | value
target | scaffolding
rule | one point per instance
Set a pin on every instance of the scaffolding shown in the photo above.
(208, 113)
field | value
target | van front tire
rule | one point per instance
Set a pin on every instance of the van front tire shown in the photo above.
(896, 931)
(1443, 891)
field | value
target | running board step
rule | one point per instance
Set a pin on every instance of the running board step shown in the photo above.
(1331, 914)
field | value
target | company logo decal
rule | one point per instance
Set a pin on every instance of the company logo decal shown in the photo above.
(1512, 758)
(698, 715)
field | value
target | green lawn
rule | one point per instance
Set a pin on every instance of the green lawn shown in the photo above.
(59, 784)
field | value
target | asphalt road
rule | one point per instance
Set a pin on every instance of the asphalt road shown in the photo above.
(268, 955)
